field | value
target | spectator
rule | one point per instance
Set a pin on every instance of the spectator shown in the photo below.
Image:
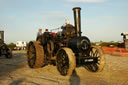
(39, 34)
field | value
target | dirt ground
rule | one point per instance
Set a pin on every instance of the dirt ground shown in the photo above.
(15, 71)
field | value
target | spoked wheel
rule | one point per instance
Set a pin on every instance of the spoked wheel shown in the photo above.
(66, 61)
(9, 53)
(35, 55)
(6, 51)
(96, 67)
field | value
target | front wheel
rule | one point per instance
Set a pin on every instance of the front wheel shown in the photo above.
(66, 61)
(96, 67)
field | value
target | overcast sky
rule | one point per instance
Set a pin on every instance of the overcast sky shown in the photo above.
(102, 20)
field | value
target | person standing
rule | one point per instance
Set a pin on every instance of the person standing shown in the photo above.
(39, 34)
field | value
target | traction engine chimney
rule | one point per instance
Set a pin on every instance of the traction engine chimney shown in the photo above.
(77, 21)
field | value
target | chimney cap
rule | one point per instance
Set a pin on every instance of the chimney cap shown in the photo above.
(76, 8)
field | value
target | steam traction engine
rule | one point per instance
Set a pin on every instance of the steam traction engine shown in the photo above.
(66, 49)
(4, 50)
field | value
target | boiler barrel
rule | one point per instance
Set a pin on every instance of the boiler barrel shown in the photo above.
(79, 44)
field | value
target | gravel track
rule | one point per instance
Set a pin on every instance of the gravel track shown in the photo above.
(15, 71)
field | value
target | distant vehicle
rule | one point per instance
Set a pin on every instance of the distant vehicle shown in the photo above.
(125, 40)
(21, 45)
(4, 50)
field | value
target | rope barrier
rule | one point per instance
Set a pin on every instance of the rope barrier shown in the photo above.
(123, 52)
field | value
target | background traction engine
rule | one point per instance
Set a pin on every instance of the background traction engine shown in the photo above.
(67, 50)
(4, 50)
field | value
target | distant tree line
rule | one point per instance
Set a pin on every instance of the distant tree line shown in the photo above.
(110, 44)
(11, 45)
(106, 44)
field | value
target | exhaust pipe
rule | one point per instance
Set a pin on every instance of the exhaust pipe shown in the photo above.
(77, 21)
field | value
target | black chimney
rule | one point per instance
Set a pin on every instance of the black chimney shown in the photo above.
(77, 21)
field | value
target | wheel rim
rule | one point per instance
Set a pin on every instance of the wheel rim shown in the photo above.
(94, 66)
(31, 55)
(62, 62)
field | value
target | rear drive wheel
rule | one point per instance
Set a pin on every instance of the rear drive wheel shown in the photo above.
(35, 55)
(96, 67)
(66, 61)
